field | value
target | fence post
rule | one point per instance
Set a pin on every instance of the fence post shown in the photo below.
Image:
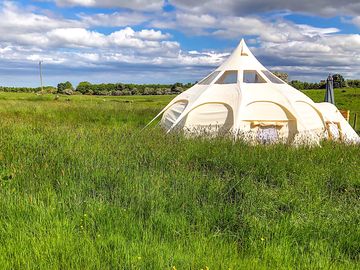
(355, 120)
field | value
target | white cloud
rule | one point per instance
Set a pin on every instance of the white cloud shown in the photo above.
(245, 7)
(74, 46)
(356, 21)
(65, 43)
(230, 7)
(147, 39)
(232, 27)
(152, 35)
(114, 19)
(73, 37)
(148, 5)
(46, 32)
(314, 58)
(29, 21)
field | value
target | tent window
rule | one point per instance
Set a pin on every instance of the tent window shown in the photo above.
(272, 77)
(229, 76)
(209, 78)
(252, 76)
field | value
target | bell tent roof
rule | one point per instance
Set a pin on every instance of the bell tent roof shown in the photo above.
(242, 94)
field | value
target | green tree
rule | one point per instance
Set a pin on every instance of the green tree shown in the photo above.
(338, 80)
(282, 75)
(177, 88)
(84, 87)
(61, 87)
(353, 83)
(297, 84)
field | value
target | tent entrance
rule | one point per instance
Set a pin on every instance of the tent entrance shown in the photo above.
(269, 132)
(270, 116)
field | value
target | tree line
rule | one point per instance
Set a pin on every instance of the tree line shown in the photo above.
(114, 89)
(122, 89)
(338, 82)
(47, 89)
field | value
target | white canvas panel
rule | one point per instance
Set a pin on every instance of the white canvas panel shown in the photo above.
(171, 114)
(217, 115)
(265, 111)
(309, 115)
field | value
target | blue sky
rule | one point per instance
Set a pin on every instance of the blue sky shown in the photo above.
(156, 41)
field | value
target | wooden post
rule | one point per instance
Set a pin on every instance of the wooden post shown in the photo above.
(355, 120)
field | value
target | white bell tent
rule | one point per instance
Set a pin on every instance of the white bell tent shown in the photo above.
(243, 98)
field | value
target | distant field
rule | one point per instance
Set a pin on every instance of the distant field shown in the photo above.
(82, 187)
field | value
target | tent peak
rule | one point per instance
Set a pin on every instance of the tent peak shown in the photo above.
(242, 49)
(241, 58)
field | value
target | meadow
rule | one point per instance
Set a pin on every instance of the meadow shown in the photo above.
(82, 186)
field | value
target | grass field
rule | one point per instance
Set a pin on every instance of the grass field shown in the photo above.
(81, 187)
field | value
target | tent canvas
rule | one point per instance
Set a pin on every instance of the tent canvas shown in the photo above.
(243, 98)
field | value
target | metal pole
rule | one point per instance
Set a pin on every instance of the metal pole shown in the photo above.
(41, 80)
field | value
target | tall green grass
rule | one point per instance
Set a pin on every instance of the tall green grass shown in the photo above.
(82, 187)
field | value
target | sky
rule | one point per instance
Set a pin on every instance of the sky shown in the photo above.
(168, 41)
